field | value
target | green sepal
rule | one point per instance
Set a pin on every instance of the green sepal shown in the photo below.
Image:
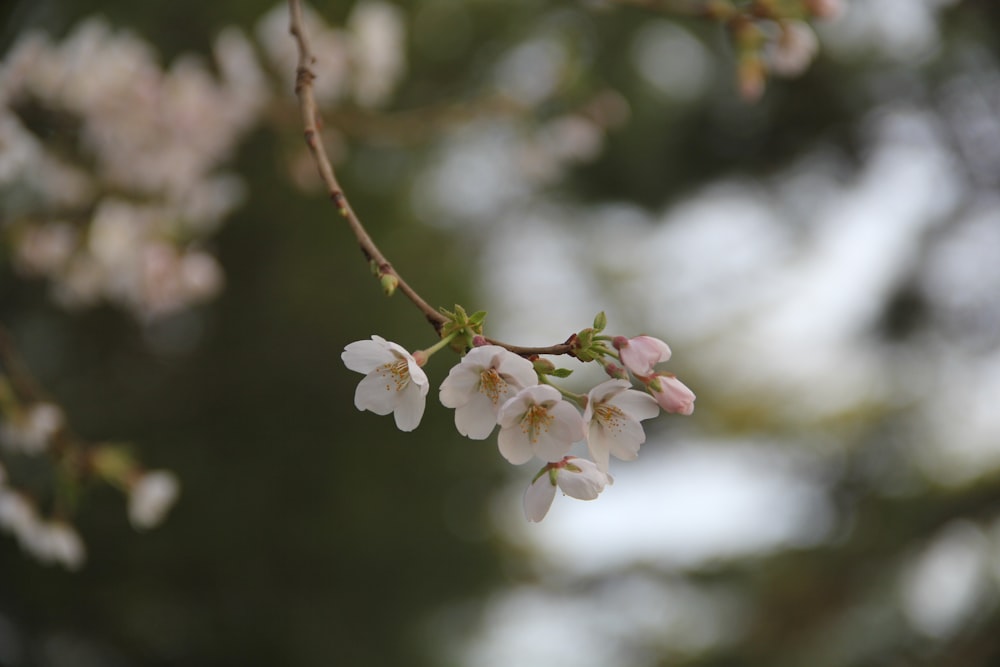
(462, 327)
(562, 372)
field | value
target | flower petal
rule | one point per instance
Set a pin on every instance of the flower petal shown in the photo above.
(514, 446)
(373, 393)
(475, 419)
(538, 497)
(364, 356)
(409, 407)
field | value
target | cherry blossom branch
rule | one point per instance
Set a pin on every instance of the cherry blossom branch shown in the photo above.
(304, 78)
(391, 279)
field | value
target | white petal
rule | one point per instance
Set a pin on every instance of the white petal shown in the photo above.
(417, 375)
(604, 391)
(475, 419)
(586, 483)
(410, 407)
(514, 445)
(636, 404)
(626, 441)
(364, 356)
(568, 422)
(459, 386)
(538, 498)
(375, 394)
(517, 370)
(549, 446)
(599, 445)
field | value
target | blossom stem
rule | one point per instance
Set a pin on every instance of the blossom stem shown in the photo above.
(441, 344)
(579, 399)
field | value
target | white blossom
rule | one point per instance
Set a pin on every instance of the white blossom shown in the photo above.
(151, 497)
(393, 381)
(54, 542)
(613, 413)
(17, 514)
(575, 477)
(538, 422)
(793, 50)
(479, 386)
(31, 430)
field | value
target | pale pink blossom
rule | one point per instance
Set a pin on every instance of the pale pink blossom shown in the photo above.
(575, 477)
(793, 50)
(613, 413)
(479, 386)
(393, 382)
(150, 498)
(672, 395)
(538, 422)
(641, 354)
(825, 9)
(31, 430)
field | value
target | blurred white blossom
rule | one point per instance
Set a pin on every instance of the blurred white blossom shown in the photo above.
(151, 497)
(30, 430)
(155, 137)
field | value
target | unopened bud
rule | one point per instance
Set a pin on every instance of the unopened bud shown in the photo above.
(544, 366)
(389, 283)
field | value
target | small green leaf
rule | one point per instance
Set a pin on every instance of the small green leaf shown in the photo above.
(600, 321)
(562, 372)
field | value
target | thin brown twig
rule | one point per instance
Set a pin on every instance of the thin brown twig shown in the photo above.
(304, 77)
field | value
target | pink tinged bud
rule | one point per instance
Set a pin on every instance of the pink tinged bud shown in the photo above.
(642, 353)
(615, 371)
(825, 9)
(479, 341)
(672, 395)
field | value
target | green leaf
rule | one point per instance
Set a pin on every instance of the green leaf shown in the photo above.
(600, 321)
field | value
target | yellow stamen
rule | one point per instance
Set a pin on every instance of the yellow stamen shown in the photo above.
(396, 373)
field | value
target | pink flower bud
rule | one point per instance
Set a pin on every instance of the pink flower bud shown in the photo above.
(672, 395)
(642, 353)
(825, 9)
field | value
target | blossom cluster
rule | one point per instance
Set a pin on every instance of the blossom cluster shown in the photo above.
(492, 388)
(33, 430)
(112, 167)
(774, 39)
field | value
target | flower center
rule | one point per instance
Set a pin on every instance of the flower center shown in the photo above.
(491, 384)
(396, 374)
(610, 416)
(536, 421)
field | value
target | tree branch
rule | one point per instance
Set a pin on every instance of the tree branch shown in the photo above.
(304, 77)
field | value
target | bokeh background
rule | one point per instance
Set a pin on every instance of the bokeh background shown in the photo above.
(825, 264)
